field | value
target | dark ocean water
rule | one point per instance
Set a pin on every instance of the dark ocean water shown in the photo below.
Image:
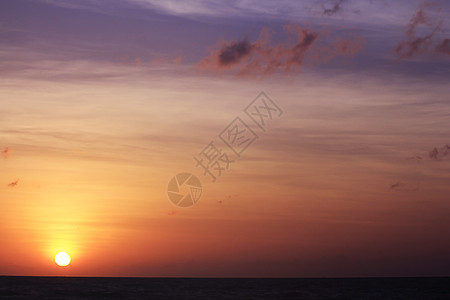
(229, 288)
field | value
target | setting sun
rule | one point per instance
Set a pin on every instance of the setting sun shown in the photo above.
(62, 259)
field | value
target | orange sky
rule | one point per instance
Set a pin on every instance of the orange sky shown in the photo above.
(341, 184)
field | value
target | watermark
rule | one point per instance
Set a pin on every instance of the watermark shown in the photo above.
(238, 136)
(213, 161)
(184, 189)
(262, 110)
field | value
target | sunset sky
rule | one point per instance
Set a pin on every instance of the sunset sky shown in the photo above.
(103, 102)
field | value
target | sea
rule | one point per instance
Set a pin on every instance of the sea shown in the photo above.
(433, 288)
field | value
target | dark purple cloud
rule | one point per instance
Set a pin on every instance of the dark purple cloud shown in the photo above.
(334, 8)
(416, 44)
(443, 47)
(260, 57)
(440, 154)
(234, 52)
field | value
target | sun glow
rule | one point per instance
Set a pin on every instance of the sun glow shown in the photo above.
(62, 259)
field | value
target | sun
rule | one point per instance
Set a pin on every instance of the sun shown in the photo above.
(62, 259)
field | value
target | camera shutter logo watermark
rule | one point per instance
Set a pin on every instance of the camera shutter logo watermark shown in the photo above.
(184, 189)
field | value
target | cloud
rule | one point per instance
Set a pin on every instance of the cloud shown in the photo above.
(160, 61)
(156, 61)
(178, 60)
(405, 186)
(262, 58)
(233, 53)
(14, 183)
(329, 11)
(227, 197)
(6, 152)
(414, 46)
(138, 61)
(341, 47)
(440, 154)
(416, 158)
(414, 43)
(443, 47)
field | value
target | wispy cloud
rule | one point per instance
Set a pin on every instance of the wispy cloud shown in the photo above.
(367, 12)
(14, 183)
(262, 58)
(416, 158)
(333, 9)
(440, 154)
(405, 186)
(6, 152)
(416, 42)
(443, 47)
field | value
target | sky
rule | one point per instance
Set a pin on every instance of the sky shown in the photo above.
(102, 103)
